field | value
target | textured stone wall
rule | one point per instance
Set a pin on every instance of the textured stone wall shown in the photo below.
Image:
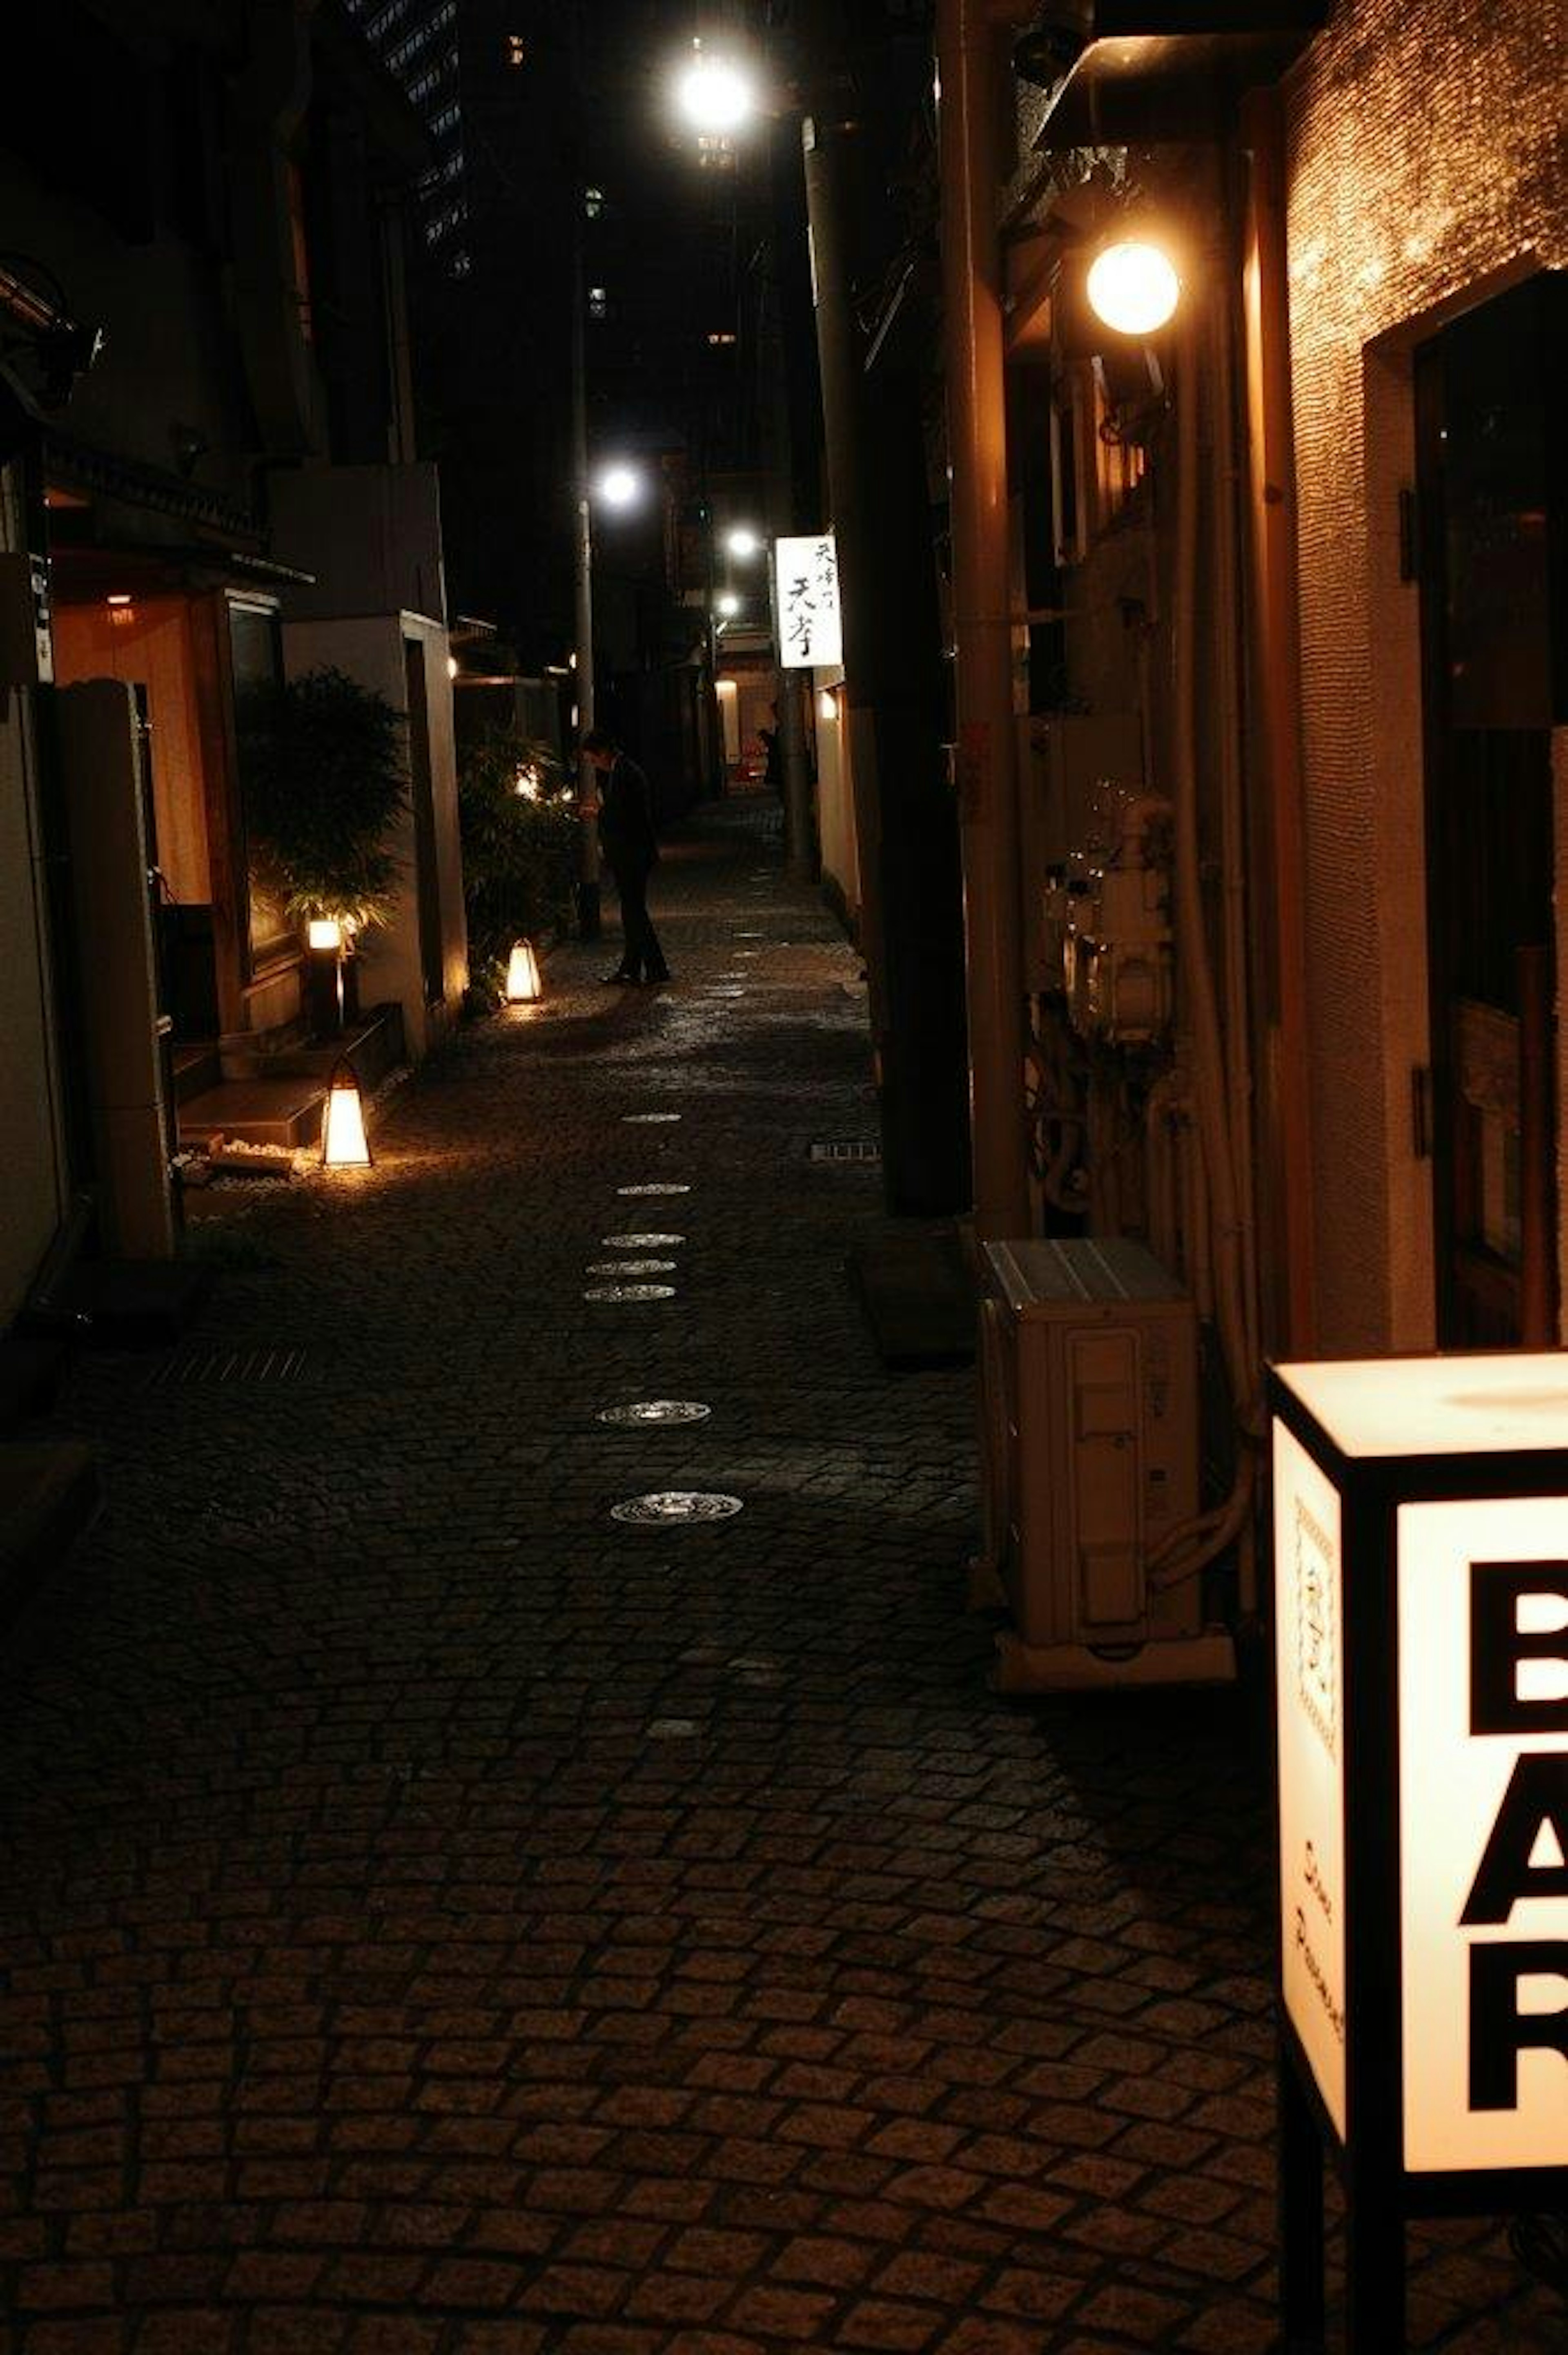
(1426, 170)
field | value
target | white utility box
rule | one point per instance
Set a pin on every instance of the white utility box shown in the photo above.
(1089, 1434)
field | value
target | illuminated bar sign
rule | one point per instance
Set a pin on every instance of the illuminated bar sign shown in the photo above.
(806, 580)
(1421, 1652)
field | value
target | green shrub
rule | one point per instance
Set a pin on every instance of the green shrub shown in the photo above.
(521, 836)
(325, 774)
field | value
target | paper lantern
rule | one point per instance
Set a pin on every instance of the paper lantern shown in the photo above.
(523, 984)
(345, 1144)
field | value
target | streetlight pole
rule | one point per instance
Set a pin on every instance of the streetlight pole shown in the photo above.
(582, 545)
(582, 567)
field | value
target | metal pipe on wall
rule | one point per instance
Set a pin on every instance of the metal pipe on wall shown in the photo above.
(1287, 1142)
(977, 432)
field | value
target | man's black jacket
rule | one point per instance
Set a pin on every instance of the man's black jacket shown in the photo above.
(626, 816)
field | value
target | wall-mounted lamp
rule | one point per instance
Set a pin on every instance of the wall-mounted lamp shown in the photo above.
(345, 1144)
(523, 987)
(727, 604)
(1133, 286)
(827, 704)
(743, 542)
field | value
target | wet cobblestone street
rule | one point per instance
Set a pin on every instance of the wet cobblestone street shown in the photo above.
(441, 1919)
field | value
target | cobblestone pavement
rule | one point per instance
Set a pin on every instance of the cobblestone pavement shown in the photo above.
(441, 1917)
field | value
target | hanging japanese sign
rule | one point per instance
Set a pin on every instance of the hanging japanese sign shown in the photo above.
(806, 573)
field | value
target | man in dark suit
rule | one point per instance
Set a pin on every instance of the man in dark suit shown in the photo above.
(631, 851)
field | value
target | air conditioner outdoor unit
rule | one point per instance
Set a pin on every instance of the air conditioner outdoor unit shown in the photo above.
(1089, 1420)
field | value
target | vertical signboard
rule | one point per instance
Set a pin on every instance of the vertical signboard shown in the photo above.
(806, 577)
(1483, 1722)
(1309, 1663)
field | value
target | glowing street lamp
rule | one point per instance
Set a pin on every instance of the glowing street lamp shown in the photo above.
(621, 485)
(743, 542)
(1133, 287)
(715, 95)
(345, 1144)
(726, 604)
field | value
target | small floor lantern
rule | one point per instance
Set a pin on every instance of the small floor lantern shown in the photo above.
(345, 1144)
(523, 984)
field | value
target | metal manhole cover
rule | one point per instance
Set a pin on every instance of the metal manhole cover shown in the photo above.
(749, 936)
(717, 989)
(657, 1187)
(631, 1267)
(224, 1368)
(647, 1119)
(853, 1148)
(642, 1242)
(643, 1410)
(665, 1504)
(630, 1292)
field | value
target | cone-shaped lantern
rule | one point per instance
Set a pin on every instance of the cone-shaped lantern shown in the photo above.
(345, 1144)
(523, 984)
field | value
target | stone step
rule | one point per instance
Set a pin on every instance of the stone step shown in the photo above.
(259, 1112)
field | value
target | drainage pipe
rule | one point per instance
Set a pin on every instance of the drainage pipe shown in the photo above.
(976, 439)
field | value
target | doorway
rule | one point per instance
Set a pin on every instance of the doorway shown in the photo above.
(1489, 560)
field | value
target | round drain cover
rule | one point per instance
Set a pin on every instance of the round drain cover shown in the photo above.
(642, 1242)
(630, 1292)
(631, 1267)
(647, 1119)
(676, 1505)
(655, 1189)
(657, 1411)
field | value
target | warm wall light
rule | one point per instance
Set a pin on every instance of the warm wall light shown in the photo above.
(345, 1144)
(523, 984)
(451, 665)
(743, 542)
(1133, 287)
(827, 705)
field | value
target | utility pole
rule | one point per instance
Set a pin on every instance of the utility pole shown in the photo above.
(582, 533)
(987, 758)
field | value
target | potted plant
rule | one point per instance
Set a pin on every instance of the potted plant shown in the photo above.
(521, 846)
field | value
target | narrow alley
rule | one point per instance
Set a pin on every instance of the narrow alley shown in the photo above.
(443, 1916)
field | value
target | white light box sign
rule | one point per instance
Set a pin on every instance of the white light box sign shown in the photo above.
(806, 586)
(1421, 1628)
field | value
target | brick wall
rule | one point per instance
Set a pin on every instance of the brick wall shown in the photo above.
(1426, 163)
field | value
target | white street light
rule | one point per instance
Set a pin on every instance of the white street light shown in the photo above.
(715, 95)
(1133, 287)
(621, 485)
(727, 603)
(743, 542)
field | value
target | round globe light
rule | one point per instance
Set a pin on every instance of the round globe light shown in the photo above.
(714, 96)
(619, 486)
(727, 603)
(743, 542)
(1133, 287)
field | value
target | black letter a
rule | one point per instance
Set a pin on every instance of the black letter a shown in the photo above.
(1537, 1796)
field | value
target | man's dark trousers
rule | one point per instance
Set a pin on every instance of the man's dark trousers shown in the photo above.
(641, 958)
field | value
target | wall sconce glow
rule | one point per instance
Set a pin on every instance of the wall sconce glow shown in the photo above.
(727, 603)
(451, 665)
(1133, 287)
(743, 542)
(827, 705)
(621, 486)
(121, 597)
(523, 987)
(345, 1144)
(324, 933)
(713, 95)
